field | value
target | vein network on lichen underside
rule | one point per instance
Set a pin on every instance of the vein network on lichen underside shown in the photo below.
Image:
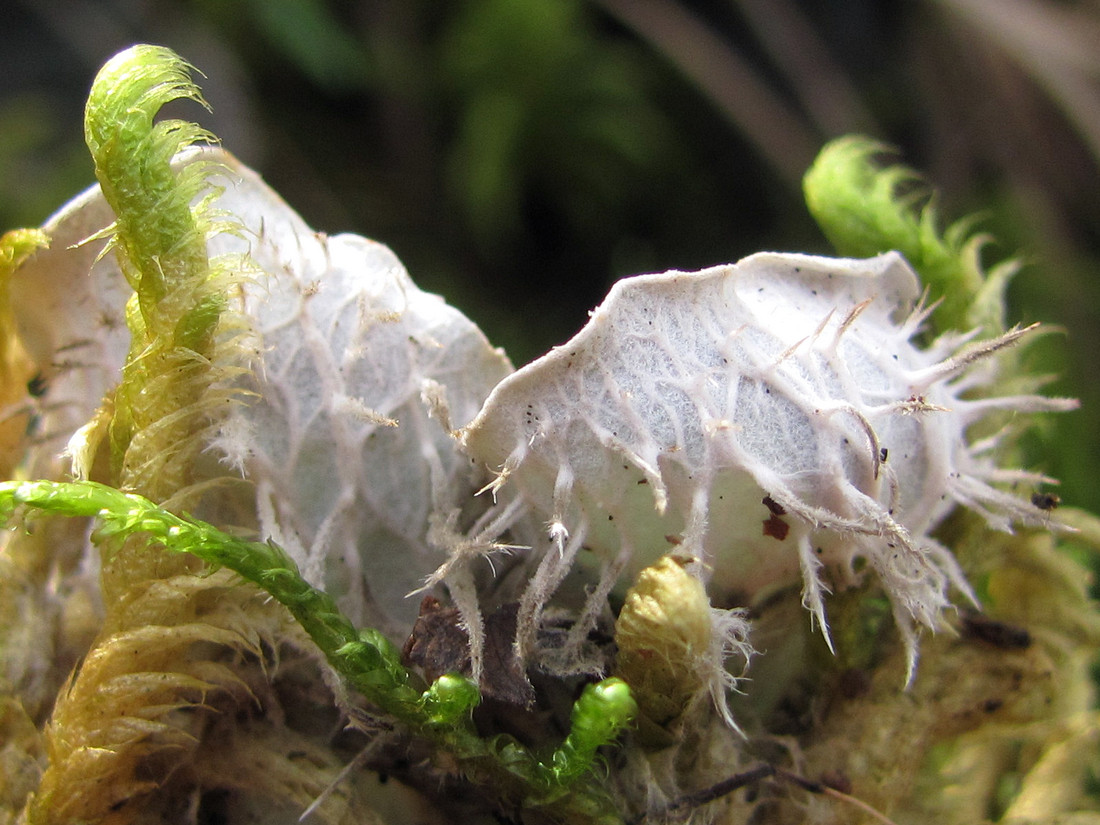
(774, 418)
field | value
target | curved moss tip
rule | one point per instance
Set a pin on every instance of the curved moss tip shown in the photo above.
(865, 209)
(133, 157)
(130, 89)
(18, 245)
(602, 712)
(450, 699)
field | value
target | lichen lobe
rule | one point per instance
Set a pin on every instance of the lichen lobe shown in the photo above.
(690, 397)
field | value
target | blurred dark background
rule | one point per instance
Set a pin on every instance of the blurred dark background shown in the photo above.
(519, 155)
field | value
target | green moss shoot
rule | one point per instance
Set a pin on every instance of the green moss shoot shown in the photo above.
(865, 209)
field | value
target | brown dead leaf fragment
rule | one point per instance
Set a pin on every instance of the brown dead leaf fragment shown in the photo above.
(439, 644)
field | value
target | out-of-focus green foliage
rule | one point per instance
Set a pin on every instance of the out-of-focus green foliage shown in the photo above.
(309, 34)
(542, 111)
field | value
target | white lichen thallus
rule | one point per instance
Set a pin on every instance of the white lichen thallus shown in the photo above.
(774, 415)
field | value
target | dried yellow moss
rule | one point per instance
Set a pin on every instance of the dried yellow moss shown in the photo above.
(663, 631)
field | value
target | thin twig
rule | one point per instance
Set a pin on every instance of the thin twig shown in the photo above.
(696, 799)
